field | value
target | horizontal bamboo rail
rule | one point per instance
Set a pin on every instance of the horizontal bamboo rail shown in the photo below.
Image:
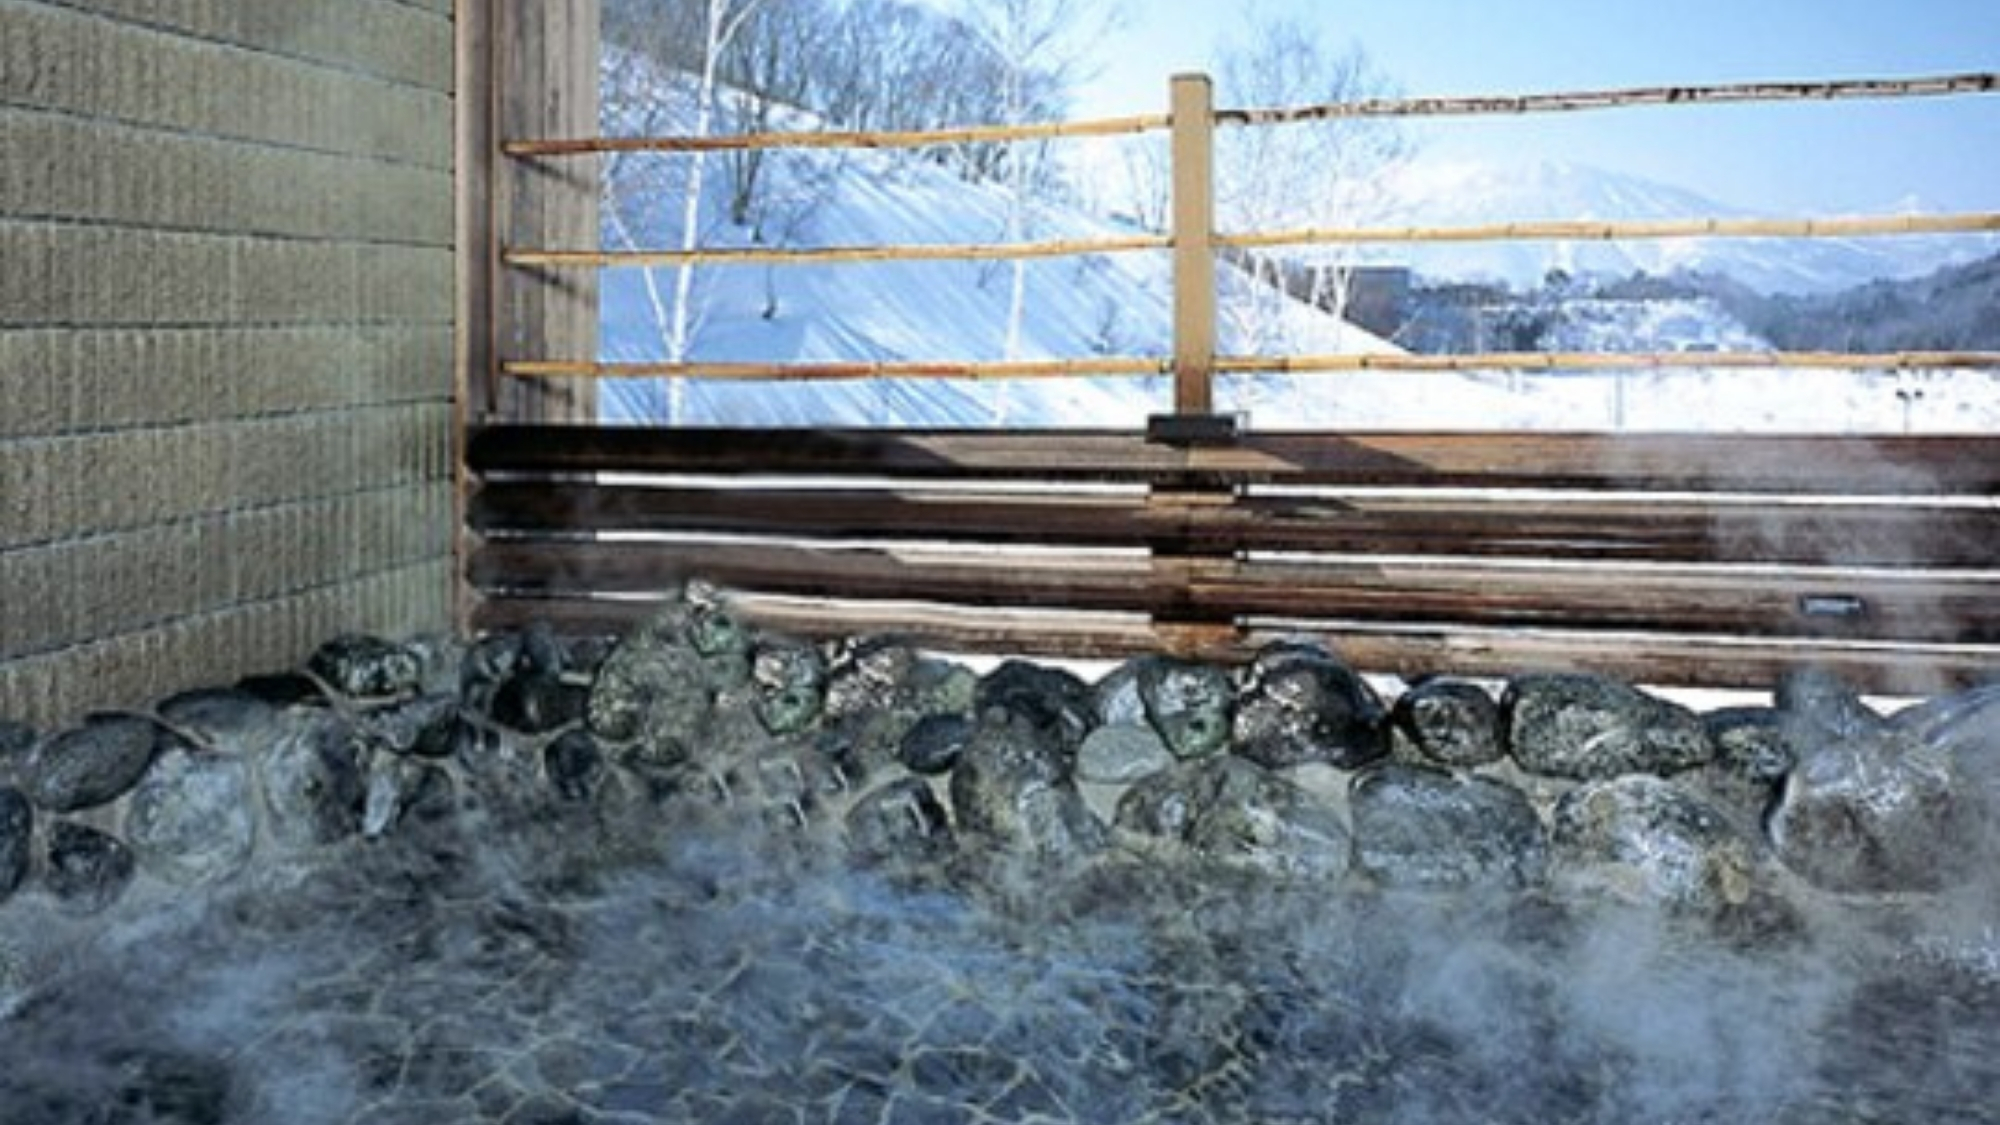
(871, 369)
(905, 138)
(613, 259)
(1716, 94)
(1561, 230)
(1608, 361)
(1161, 365)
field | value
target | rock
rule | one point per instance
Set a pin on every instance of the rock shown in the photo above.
(228, 720)
(900, 822)
(1122, 753)
(1819, 703)
(87, 870)
(941, 687)
(651, 700)
(1055, 702)
(440, 662)
(16, 741)
(1753, 752)
(1189, 704)
(17, 827)
(868, 674)
(1451, 723)
(364, 667)
(1876, 811)
(537, 702)
(1967, 724)
(574, 765)
(424, 726)
(1240, 815)
(1587, 727)
(312, 780)
(1426, 828)
(90, 765)
(1639, 838)
(1115, 698)
(1012, 788)
(1300, 704)
(394, 784)
(933, 745)
(192, 819)
(789, 679)
(282, 689)
(717, 636)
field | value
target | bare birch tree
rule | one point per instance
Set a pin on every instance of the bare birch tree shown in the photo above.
(1314, 173)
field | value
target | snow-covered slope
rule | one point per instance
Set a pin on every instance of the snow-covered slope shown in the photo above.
(1465, 192)
(1102, 305)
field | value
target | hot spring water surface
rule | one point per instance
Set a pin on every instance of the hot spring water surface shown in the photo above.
(774, 917)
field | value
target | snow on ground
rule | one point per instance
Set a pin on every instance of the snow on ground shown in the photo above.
(1121, 305)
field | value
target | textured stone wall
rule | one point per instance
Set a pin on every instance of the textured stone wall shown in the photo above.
(225, 337)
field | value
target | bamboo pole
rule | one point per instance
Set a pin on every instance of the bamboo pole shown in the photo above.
(1193, 241)
(814, 372)
(911, 138)
(608, 259)
(1606, 361)
(1845, 227)
(1721, 93)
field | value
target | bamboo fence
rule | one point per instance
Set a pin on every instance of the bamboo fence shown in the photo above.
(909, 138)
(820, 372)
(1566, 230)
(1716, 94)
(612, 259)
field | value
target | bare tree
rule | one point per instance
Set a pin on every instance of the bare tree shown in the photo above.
(1040, 46)
(1312, 173)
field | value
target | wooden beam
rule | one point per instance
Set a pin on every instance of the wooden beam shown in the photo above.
(821, 255)
(1193, 235)
(1632, 528)
(1802, 464)
(1855, 226)
(547, 82)
(911, 138)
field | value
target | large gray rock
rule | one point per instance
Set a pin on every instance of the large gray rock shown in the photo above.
(1056, 703)
(1013, 788)
(1451, 723)
(1300, 704)
(228, 720)
(868, 674)
(313, 779)
(1189, 703)
(1589, 727)
(1430, 829)
(192, 819)
(1122, 753)
(1639, 838)
(90, 765)
(17, 826)
(1754, 750)
(1817, 703)
(902, 822)
(1238, 814)
(87, 869)
(933, 744)
(365, 667)
(1877, 811)
(652, 700)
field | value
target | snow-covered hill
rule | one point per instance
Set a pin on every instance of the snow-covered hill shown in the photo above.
(1101, 305)
(1464, 192)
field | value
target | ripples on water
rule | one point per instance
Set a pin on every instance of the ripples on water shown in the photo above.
(530, 973)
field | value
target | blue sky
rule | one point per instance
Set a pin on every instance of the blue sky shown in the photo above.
(1842, 157)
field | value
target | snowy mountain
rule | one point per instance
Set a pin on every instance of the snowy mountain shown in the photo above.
(1465, 193)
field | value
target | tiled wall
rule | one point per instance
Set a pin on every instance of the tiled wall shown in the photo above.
(225, 338)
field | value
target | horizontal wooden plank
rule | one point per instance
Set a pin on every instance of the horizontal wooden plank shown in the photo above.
(1963, 464)
(1672, 660)
(1676, 530)
(1879, 605)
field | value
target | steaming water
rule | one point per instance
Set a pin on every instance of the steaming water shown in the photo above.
(659, 967)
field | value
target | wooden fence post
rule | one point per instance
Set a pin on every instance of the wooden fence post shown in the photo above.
(1193, 240)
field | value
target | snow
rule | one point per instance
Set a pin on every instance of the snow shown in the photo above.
(1121, 305)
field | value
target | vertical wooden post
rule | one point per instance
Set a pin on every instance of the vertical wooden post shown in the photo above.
(546, 81)
(1194, 249)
